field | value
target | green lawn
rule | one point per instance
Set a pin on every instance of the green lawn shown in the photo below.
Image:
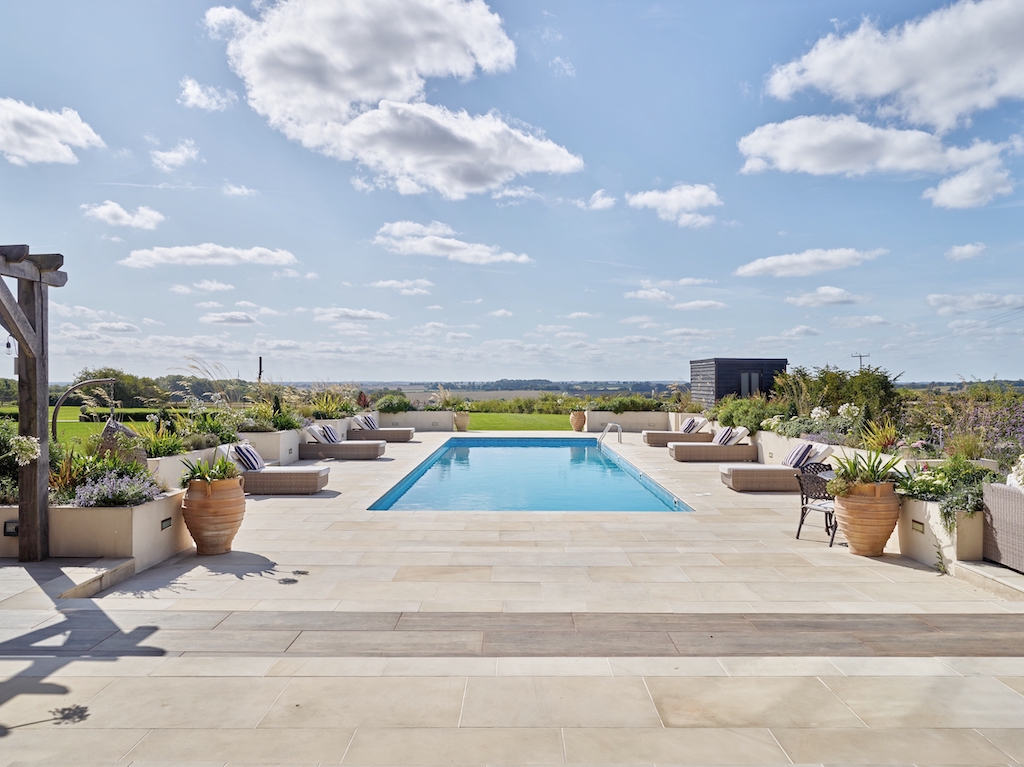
(69, 430)
(518, 422)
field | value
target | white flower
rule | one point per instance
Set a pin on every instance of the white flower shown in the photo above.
(24, 449)
(820, 414)
(849, 410)
(1018, 471)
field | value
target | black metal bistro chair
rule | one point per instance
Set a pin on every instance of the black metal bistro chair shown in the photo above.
(815, 497)
(816, 468)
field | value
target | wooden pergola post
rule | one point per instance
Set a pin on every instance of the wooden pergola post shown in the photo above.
(26, 318)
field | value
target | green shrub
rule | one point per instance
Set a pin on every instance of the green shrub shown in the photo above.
(393, 403)
(748, 413)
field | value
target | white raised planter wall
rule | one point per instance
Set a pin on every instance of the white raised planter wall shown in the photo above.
(280, 447)
(922, 535)
(168, 470)
(149, 533)
(629, 421)
(676, 420)
(421, 420)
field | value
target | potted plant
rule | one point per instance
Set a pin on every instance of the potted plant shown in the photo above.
(867, 507)
(214, 504)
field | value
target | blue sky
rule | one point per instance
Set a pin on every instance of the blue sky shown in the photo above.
(455, 190)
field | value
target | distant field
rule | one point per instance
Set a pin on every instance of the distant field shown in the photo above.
(518, 422)
(70, 430)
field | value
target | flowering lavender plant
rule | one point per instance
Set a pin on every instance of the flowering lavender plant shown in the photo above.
(114, 489)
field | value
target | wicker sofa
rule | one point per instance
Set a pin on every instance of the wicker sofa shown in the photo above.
(1004, 526)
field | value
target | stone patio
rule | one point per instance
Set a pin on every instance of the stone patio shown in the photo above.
(337, 635)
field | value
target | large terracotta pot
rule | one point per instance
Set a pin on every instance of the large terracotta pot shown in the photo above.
(867, 517)
(577, 419)
(461, 420)
(213, 513)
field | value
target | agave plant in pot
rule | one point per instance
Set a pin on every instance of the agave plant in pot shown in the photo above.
(866, 506)
(214, 504)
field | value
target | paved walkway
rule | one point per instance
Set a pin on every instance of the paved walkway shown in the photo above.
(333, 634)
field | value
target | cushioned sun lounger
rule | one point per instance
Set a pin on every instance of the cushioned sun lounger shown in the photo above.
(388, 435)
(662, 438)
(349, 450)
(286, 480)
(773, 478)
(689, 452)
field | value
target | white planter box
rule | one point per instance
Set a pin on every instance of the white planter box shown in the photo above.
(922, 535)
(629, 421)
(931, 463)
(168, 470)
(281, 447)
(149, 533)
(421, 420)
(675, 420)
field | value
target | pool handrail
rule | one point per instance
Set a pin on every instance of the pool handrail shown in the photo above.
(607, 428)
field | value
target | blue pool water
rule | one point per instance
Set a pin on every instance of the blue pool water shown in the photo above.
(510, 474)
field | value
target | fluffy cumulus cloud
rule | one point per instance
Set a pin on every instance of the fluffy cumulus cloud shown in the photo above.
(629, 340)
(109, 212)
(114, 327)
(205, 97)
(238, 190)
(930, 73)
(436, 239)
(406, 287)
(948, 304)
(826, 295)
(207, 254)
(690, 306)
(649, 294)
(598, 201)
(679, 204)
(333, 314)
(229, 318)
(500, 313)
(808, 262)
(934, 71)
(348, 80)
(864, 321)
(212, 286)
(169, 160)
(964, 252)
(28, 134)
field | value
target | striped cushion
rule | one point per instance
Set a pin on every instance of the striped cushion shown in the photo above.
(330, 435)
(799, 455)
(688, 425)
(723, 437)
(371, 422)
(249, 458)
(314, 431)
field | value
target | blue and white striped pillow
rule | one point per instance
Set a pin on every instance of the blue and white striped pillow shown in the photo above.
(799, 455)
(330, 435)
(249, 458)
(371, 422)
(688, 425)
(723, 437)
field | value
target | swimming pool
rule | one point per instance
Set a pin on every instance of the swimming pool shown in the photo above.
(526, 474)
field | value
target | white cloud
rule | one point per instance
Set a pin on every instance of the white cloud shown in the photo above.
(181, 290)
(171, 159)
(963, 252)
(150, 321)
(209, 304)
(409, 238)
(207, 254)
(348, 80)
(114, 327)
(808, 262)
(650, 294)
(563, 67)
(229, 318)
(212, 286)
(30, 135)
(435, 307)
(685, 282)
(334, 314)
(233, 190)
(406, 287)
(206, 97)
(598, 201)
(679, 204)
(976, 186)
(630, 340)
(109, 212)
(698, 305)
(689, 334)
(801, 331)
(948, 304)
(516, 194)
(826, 295)
(570, 334)
(580, 316)
(552, 328)
(500, 313)
(637, 320)
(428, 329)
(450, 337)
(867, 321)
(351, 329)
(294, 275)
(936, 70)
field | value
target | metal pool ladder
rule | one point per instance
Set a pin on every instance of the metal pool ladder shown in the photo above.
(608, 428)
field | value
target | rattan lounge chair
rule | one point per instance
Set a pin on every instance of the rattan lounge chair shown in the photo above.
(767, 478)
(286, 480)
(662, 438)
(349, 450)
(711, 452)
(363, 430)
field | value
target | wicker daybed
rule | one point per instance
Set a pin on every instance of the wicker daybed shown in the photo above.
(286, 480)
(349, 450)
(1004, 526)
(399, 434)
(689, 452)
(770, 478)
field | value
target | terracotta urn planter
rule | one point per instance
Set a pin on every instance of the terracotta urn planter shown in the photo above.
(577, 419)
(461, 420)
(213, 513)
(867, 517)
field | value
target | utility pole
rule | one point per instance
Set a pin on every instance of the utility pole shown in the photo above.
(860, 358)
(259, 375)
